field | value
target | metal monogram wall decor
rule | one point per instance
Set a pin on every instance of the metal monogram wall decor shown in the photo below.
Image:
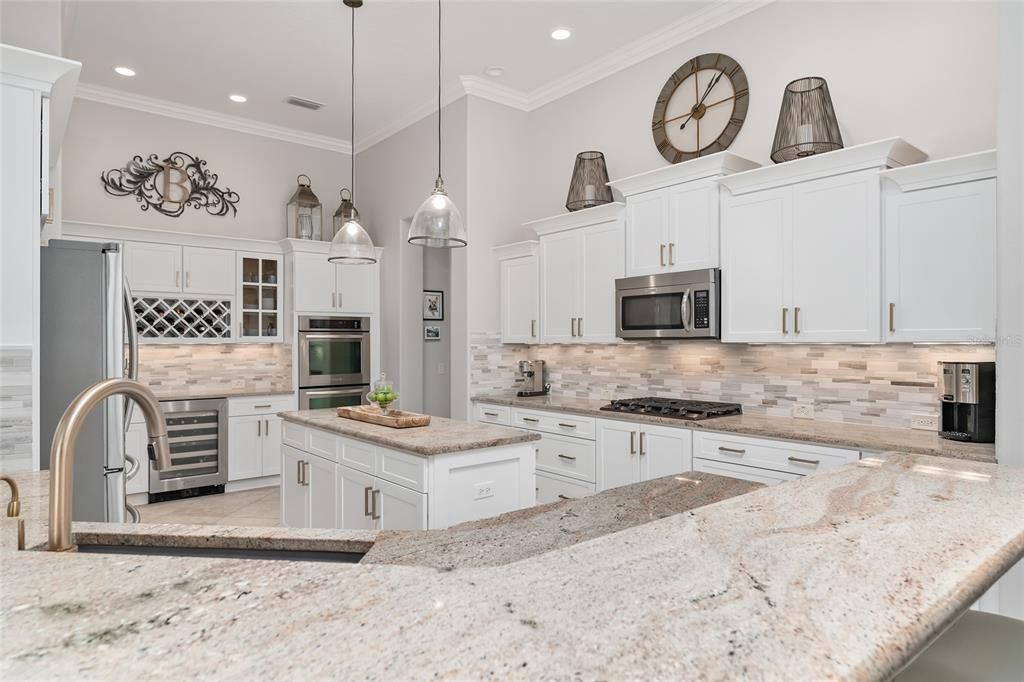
(171, 185)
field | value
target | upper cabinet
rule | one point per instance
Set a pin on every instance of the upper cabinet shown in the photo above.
(259, 296)
(319, 286)
(154, 267)
(672, 214)
(519, 268)
(581, 256)
(940, 251)
(801, 247)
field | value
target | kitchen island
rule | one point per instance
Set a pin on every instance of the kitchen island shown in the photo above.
(342, 473)
(846, 574)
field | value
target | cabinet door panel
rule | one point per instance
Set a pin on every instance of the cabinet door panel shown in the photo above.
(603, 263)
(271, 446)
(153, 267)
(357, 288)
(647, 221)
(245, 447)
(560, 263)
(314, 282)
(520, 302)
(837, 259)
(323, 501)
(618, 459)
(666, 451)
(208, 271)
(754, 266)
(940, 293)
(693, 227)
(294, 495)
(354, 491)
(400, 508)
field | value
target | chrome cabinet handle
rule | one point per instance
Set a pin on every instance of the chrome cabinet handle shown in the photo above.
(188, 279)
(239, 329)
(490, 414)
(567, 426)
(366, 500)
(298, 472)
(568, 457)
(632, 442)
(892, 317)
(785, 314)
(801, 460)
(579, 326)
(573, 325)
(266, 427)
(530, 419)
(565, 497)
(259, 428)
(177, 279)
(374, 497)
(305, 476)
(796, 320)
(735, 451)
(533, 328)
(661, 256)
(671, 253)
(643, 443)
(262, 407)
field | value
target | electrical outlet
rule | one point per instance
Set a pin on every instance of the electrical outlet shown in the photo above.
(803, 411)
(484, 490)
(925, 422)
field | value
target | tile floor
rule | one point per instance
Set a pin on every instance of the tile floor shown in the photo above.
(259, 507)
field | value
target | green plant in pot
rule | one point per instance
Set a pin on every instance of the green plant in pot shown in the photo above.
(383, 394)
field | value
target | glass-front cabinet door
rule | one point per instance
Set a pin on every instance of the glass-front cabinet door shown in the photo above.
(260, 297)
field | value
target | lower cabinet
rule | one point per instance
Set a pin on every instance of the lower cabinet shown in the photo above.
(764, 460)
(366, 502)
(254, 436)
(629, 452)
(294, 492)
(552, 487)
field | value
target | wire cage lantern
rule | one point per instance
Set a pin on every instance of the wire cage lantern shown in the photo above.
(305, 214)
(589, 185)
(807, 121)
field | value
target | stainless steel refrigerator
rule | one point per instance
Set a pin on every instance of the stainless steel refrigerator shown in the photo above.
(87, 333)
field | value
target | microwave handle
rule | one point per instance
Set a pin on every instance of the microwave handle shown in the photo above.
(685, 311)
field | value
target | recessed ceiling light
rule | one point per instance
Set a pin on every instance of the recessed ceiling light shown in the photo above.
(124, 71)
(561, 34)
(241, 99)
(495, 72)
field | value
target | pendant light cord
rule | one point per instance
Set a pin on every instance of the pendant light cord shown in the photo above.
(352, 120)
(439, 180)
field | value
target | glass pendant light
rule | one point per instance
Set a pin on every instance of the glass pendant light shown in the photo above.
(438, 222)
(351, 244)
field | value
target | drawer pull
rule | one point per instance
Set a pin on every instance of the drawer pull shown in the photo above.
(367, 492)
(632, 442)
(262, 407)
(570, 457)
(567, 426)
(375, 511)
(735, 451)
(801, 460)
(531, 420)
(565, 497)
(490, 414)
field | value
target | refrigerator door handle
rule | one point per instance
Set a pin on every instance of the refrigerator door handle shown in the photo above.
(132, 364)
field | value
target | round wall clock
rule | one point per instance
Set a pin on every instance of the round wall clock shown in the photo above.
(701, 108)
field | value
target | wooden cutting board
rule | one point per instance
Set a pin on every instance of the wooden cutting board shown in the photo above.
(396, 419)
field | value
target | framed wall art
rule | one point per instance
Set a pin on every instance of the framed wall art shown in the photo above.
(433, 305)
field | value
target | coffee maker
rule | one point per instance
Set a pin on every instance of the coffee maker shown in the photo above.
(530, 379)
(968, 393)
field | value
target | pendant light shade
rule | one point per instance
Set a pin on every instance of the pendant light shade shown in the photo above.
(351, 244)
(438, 222)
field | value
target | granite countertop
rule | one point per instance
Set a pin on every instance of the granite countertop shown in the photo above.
(844, 574)
(530, 532)
(441, 437)
(204, 392)
(839, 434)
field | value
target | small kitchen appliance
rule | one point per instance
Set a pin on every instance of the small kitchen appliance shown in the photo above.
(675, 305)
(689, 410)
(968, 394)
(530, 379)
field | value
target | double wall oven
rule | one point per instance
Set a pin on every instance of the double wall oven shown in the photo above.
(334, 361)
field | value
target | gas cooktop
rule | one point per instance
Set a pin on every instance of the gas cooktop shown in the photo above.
(690, 410)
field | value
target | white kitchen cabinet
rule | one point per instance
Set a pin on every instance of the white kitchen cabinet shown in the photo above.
(259, 296)
(254, 435)
(208, 271)
(399, 508)
(630, 452)
(756, 458)
(519, 272)
(581, 256)
(552, 488)
(319, 286)
(354, 499)
(940, 251)
(323, 500)
(357, 287)
(153, 267)
(245, 447)
(647, 233)
(294, 493)
(271, 446)
(801, 247)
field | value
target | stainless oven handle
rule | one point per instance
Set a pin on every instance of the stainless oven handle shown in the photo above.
(685, 311)
(333, 391)
(355, 336)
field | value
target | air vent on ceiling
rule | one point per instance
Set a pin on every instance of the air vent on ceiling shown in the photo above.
(305, 103)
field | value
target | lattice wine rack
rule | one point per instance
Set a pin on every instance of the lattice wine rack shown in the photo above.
(183, 318)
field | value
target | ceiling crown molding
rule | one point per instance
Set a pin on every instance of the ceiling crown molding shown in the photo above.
(489, 90)
(152, 105)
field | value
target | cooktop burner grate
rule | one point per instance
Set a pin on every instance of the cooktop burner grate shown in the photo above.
(691, 410)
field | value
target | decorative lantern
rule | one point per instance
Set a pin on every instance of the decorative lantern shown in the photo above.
(346, 211)
(589, 185)
(305, 215)
(807, 121)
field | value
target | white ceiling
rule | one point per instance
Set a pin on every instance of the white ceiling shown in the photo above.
(196, 53)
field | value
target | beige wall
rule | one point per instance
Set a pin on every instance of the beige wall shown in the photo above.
(261, 170)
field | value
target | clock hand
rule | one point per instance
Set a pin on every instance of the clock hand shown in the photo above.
(707, 91)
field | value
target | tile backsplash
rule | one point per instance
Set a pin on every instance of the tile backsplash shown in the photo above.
(180, 370)
(882, 385)
(15, 408)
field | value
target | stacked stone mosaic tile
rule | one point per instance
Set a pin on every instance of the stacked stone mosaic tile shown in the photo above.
(183, 370)
(15, 408)
(883, 385)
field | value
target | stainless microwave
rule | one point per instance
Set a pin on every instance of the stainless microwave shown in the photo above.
(675, 305)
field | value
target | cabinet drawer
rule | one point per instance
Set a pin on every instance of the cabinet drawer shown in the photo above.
(796, 458)
(295, 435)
(570, 457)
(493, 414)
(409, 471)
(260, 405)
(358, 455)
(552, 488)
(745, 473)
(553, 422)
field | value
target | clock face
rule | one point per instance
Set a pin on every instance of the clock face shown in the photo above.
(701, 108)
